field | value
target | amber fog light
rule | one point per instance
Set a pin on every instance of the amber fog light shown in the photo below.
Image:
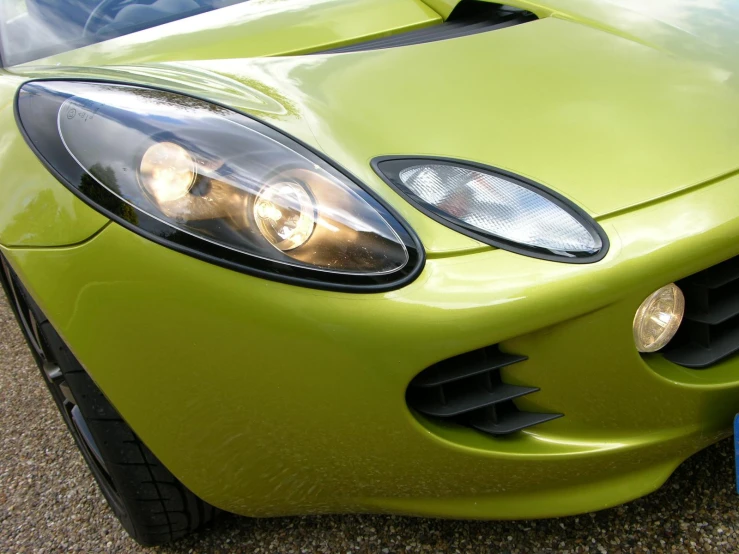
(658, 318)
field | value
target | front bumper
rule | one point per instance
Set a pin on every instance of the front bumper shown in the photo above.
(270, 399)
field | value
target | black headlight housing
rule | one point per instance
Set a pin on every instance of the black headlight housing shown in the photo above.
(216, 184)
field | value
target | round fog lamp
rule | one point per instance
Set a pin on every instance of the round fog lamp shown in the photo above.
(658, 318)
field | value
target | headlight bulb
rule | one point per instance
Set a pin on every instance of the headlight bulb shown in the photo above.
(167, 172)
(285, 214)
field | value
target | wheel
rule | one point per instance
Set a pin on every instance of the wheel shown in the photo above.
(151, 504)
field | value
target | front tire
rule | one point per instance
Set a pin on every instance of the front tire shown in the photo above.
(151, 503)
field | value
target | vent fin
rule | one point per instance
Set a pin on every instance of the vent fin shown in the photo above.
(709, 332)
(467, 400)
(452, 370)
(468, 390)
(515, 421)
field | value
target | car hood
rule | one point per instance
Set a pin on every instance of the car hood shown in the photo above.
(599, 102)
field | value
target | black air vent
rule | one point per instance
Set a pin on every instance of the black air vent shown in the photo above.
(468, 18)
(468, 390)
(710, 329)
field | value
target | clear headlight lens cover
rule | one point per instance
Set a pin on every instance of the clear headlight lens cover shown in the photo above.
(497, 208)
(216, 184)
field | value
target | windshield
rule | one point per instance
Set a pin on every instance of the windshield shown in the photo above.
(34, 29)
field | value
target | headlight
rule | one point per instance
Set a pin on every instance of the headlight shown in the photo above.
(497, 208)
(658, 318)
(216, 184)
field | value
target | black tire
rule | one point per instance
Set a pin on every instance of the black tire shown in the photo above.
(151, 504)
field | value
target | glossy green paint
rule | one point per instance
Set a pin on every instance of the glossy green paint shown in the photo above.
(312, 417)
(257, 28)
(698, 29)
(34, 209)
(442, 7)
(702, 30)
(270, 399)
(524, 107)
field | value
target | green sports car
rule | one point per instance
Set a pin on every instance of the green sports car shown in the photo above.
(432, 257)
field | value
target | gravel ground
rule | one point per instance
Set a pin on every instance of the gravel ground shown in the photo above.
(49, 501)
